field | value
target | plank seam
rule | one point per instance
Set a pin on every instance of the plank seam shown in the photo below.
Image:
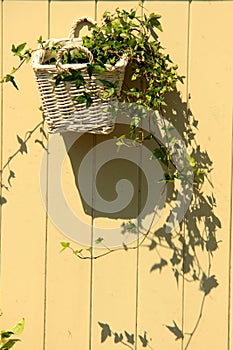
(229, 326)
(1, 131)
(46, 221)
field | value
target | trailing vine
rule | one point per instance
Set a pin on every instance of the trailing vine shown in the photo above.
(150, 77)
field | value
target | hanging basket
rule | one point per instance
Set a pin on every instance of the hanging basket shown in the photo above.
(61, 104)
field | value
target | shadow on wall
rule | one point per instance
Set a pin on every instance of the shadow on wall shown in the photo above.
(189, 249)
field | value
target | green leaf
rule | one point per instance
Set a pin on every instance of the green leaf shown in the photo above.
(129, 227)
(8, 345)
(77, 252)
(10, 78)
(85, 98)
(99, 69)
(6, 334)
(19, 327)
(154, 21)
(21, 47)
(40, 40)
(65, 245)
(13, 48)
(109, 92)
(89, 249)
(176, 331)
(99, 240)
(132, 15)
(162, 154)
(107, 83)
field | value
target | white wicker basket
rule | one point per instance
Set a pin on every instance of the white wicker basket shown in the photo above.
(62, 112)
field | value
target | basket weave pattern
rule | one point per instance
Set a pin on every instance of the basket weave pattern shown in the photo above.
(62, 112)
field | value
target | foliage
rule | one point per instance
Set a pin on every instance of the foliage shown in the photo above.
(121, 34)
(150, 70)
(7, 340)
(150, 77)
(7, 173)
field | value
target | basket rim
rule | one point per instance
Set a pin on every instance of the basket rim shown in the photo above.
(39, 55)
(120, 64)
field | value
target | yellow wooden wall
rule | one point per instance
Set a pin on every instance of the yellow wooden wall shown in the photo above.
(61, 297)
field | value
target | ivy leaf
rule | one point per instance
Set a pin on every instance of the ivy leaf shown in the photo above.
(129, 227)
(159, 265)
(207, 284)
(130, 337)
(8, 345)
(19, 327)
(153, 20)
(65, 245)
(11, 79)
(99, 240)
(95, 67)
(109, 92)
(162, 155)
(17, 50)
(118, 338)
(23, 146)
(85, 98)
(59, 78)
(132, 15)
(176, 331)
(105, 332)
(108, 84)
(6, 334)
(40, 40)
(77, 252)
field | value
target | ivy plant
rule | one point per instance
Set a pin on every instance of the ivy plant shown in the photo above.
(7, 337)
(150, 72)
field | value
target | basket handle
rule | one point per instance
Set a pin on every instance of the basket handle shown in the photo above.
(77, 26)
(72, 46)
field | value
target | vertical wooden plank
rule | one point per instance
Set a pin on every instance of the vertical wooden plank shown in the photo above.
(160, 299)
(115, 279)
(230, 289)
(1, 122)
(1, 97)
(68, 283)
(23, 219)
(211, 100)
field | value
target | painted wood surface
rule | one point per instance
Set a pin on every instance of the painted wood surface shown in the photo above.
(66, 301)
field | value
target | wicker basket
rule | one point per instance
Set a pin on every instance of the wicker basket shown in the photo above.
(62, 112)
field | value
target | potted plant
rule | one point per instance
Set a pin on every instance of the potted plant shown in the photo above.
(121, 59)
